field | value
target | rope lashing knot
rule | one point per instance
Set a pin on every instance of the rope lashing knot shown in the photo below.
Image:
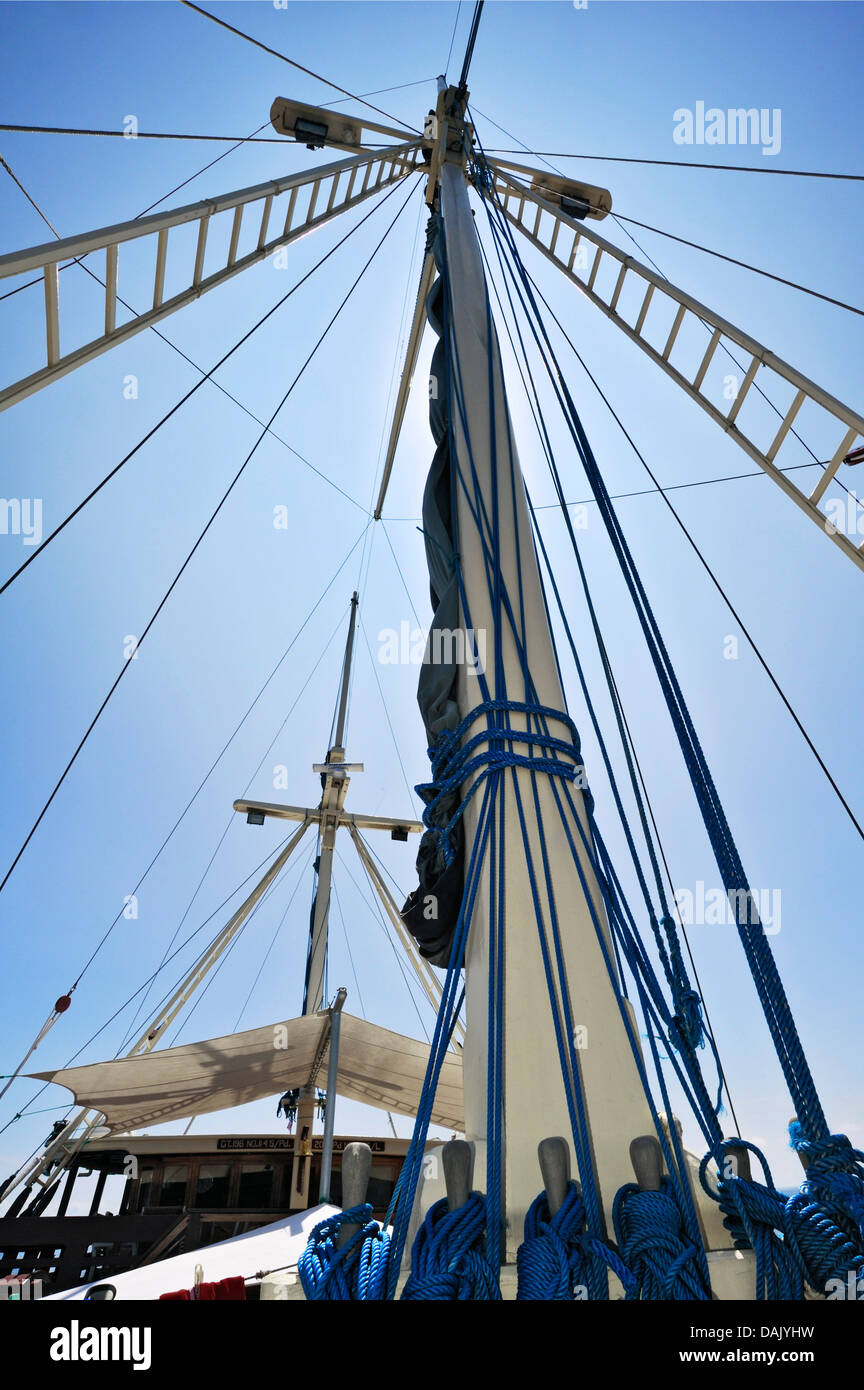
(754, 1213)
(827, 1213)
(481, 175)
(454, 763)
(688, 1005)
(556, 1261)
(357, 1272)
(447, 1260)
(654, 1244)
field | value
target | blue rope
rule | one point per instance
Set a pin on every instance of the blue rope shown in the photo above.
(555, 1260)
(357, 1272)
(453, 765)
(754, 1213)
(655, 1245)
(833, 1200)
(757, 949)
(447, 1260)
(826, 1215)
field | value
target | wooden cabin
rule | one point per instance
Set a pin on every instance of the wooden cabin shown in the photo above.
(182, 1191)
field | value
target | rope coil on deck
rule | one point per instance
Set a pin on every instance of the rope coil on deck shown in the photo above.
(447, 1260)
(654, 1244)
(555, 1262)
(355, 1273)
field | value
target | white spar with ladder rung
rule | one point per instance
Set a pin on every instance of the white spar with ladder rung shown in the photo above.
(559, 237)
(334, 188)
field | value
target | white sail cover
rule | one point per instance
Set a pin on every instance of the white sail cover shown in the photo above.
(376, 1067)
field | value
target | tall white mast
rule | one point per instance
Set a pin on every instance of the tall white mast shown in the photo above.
(534, 1096)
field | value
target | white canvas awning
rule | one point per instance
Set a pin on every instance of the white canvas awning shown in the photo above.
(376, 1067)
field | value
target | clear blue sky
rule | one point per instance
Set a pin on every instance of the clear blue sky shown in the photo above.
(603, 81)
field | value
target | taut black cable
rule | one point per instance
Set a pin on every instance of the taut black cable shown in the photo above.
(745, 265)
(676, 163)
(175, 581)
(191, 392)
(274, 53)
(712, 576)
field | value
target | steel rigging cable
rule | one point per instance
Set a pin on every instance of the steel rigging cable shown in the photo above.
(723, 347)
(80, 260)
(191, 392)
(712, 576)
(274, 53)
(198, 542)
(744, 265)
(670, 163)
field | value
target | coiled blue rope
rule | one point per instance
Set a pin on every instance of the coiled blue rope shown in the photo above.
(447, 1260)
(557, 1260)
(826, 1216)
(754, 1213)
(654, 1244)
(357, 1272)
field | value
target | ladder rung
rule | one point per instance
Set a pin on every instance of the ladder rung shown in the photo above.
(52, 313)
(200, 249)
(745, 387)
(786, 425)
(644, 310)
(350, 189)
(111, 286)
(618, 286)
(265, 219)
(706, 360)
(719, 331)
(673, 334)
(366, 177)
(537, 221)
(843, 448)
(292, 202)
(595, 267)
(235, 234)
(159, 278)
(313, 199)
(555, 230)
(332, 198)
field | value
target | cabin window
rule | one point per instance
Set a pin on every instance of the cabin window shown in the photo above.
(211, 1187)
(145, 1188)
(256, 1185)
(174, 1178)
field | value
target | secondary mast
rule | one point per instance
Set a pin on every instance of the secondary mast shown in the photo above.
(334, 777)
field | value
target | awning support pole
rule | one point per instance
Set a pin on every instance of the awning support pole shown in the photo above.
(330, 1111)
